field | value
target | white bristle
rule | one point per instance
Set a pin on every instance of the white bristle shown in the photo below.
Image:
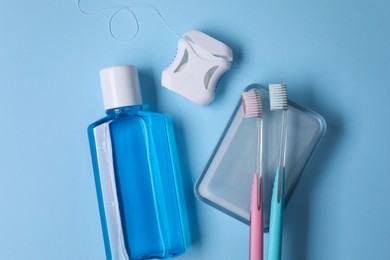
(278, 96)
(252, 104)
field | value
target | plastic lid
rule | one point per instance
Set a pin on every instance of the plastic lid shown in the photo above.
(120, 86)
(207, 43)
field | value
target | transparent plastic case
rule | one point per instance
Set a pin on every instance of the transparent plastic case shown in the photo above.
(227, 179)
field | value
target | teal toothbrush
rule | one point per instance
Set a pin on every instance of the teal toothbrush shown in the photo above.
(278, 101)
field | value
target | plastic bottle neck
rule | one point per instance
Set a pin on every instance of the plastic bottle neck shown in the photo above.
(123, 110)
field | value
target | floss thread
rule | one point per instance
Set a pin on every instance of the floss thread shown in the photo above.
(127, 8)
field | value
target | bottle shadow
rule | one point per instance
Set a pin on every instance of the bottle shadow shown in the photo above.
(190, 210)
(297, 219)
(148, 90)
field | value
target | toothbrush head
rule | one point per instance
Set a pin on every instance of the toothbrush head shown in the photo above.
(278, 96)
(251, 102)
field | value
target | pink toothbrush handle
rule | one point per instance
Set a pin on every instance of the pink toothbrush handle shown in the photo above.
(256, 221)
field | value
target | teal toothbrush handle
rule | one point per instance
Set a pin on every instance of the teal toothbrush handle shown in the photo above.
(276, 219)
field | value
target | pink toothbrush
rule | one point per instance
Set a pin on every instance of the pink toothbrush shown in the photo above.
(252, 108)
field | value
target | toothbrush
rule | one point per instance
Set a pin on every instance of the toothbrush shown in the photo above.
(252, 108)
(278, 101)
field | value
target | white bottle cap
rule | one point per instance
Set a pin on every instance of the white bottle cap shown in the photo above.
(120, 86)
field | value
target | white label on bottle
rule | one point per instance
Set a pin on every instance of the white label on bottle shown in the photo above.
(109, 193)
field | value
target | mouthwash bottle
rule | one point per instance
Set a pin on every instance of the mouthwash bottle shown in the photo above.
(134, 173)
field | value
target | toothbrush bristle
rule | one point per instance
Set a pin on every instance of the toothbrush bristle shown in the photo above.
(252, 103)
(278, 96)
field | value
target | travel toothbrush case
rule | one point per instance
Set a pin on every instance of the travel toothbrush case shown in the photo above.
(227, 178)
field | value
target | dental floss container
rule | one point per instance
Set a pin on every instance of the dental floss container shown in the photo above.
(199, 63)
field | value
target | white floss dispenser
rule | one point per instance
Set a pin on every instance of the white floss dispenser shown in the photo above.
(199, 63)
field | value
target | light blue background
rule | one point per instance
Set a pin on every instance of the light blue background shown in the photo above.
(334, 56)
